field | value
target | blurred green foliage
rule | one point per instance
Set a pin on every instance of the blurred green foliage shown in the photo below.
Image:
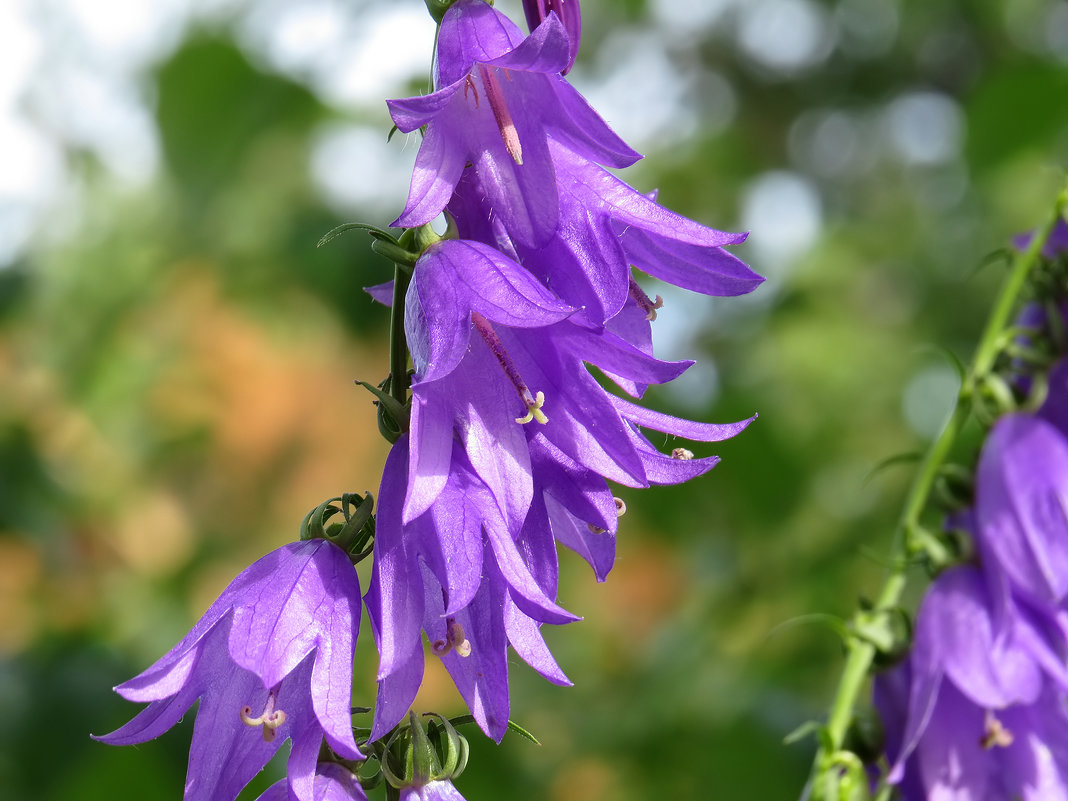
(178, 393)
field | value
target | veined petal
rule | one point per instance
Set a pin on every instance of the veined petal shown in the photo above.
(438, 167)
(1022, 505)
(707, 269)
(482, 675)
(174, 669)
(450, 540)
(597, 548)
(524, 635)
(957, 614)
(584, 131)
(499, 289)
(225, 754)
(394, 599)
(658, 421)
(581, 491)
(409, 113)
(617, 356)
(431, 455)
(663, 469)
(519, 578)
(472, 31)
(547, 49)
(278, 623)
(396, 692)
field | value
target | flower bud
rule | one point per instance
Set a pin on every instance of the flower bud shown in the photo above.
(415, 756)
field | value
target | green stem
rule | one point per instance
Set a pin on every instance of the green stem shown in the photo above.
(398, 342)
(860, 652)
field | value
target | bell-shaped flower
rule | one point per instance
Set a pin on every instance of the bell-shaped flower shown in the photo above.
(498, 99)
(493, 351)
(1055, 245)
(270, 660)
(511, 441)
(971, 713)
(1022, 505)
(604, 227)
(458, 573)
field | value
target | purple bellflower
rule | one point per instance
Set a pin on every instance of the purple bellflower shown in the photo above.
(568, 12)
(1056, 244)
(1022, 505)
(270, 660)
(498, 99)
(511, 441)
(978, 711)
(604, 227)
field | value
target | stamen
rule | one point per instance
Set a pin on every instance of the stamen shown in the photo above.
(270, 718)
(455, 640)
(470, 85)
(533, 401)
(646, 305)
(501, 113)
(534, 411)
(995, 733)
(621, 509)
(682, 454)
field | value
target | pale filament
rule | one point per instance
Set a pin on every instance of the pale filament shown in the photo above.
(270, 718)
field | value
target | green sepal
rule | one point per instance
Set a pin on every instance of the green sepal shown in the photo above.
(393, 417)
(437, 8)
(449, 744)
(425, 763)
(395, 253)
(352, 535)
(376, 232)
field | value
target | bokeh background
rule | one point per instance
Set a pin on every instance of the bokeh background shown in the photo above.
(177, 357)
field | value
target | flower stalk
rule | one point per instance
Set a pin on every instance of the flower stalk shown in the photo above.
(833, 771)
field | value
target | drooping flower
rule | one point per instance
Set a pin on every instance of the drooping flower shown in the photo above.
(499, 98)
(270, 660)
(510, 445)
(1022, 505)
(979, 710)
(569, 13)
(604, 227)
(1056, 244)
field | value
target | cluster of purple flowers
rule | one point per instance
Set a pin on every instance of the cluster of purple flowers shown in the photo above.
(511, 440)
(979, 710)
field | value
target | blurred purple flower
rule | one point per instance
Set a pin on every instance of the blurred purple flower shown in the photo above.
(978, 710)
(1022, 504)
(498, 98)
(270, 660)
(1055, 245)
(568, 12)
